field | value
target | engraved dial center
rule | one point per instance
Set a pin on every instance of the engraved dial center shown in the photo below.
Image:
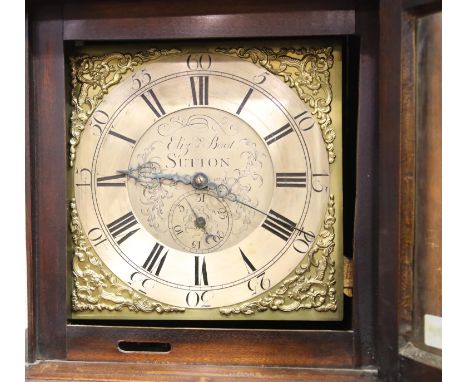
(216, 155)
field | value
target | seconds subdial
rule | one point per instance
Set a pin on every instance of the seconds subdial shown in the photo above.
(200, 222)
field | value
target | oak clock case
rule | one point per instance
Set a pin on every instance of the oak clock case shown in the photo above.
(205, 184)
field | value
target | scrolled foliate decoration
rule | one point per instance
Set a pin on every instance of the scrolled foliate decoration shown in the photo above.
(313, 284)
(306, 70)
(95, 287)
(91, 79)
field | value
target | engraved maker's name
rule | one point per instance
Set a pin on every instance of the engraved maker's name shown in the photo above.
(198, 152)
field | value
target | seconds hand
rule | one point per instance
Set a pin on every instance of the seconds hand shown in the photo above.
(200, 221)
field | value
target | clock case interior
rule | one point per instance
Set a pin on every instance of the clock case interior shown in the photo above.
(344, 118)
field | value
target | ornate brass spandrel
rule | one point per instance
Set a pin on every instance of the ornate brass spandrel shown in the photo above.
(95, 287)
(91, 79)
(307, 71)
(313, 284)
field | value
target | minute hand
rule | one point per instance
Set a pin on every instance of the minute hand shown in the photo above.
(136, 174)
(224, 192)
(267, 214)
(201, 181)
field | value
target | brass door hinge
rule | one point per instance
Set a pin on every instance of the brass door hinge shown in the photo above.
(348, 277)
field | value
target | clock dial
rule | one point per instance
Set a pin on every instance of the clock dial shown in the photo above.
(209, 180)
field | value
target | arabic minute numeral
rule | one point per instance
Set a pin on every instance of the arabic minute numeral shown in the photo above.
(96, 236)
(140, 79)
(85, 176)
(100, 119)
(195, 298)
(303, 241)
(260, 282)
(199, 61)
(304, 121)
(316, 184)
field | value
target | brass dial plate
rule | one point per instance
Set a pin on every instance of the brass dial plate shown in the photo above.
(261, 150)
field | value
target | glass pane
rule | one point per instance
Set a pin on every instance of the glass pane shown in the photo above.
(428, 225)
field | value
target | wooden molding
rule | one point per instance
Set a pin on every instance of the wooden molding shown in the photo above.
(133, 372)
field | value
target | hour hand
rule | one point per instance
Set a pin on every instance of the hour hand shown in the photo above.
(130, 173)
(148, 174)
(186, 179)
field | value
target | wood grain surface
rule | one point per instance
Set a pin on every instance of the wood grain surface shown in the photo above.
(145, 21)
(132, 372)
(215, 346)
(48, 187)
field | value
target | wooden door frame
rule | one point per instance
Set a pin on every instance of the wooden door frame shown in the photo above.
(377, 29)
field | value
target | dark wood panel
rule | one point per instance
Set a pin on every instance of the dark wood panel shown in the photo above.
(130, 372)
(411, 371)
(388, 209)
(262, 24)
(102, 9)
(408, 145)
(422, 6)
(49, 219)
(366, 178)
(31, 330)
(215, 346)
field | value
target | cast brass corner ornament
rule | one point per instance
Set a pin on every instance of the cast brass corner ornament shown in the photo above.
(306, 70)
(307, 289)
(91, 79)
(97, 288)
